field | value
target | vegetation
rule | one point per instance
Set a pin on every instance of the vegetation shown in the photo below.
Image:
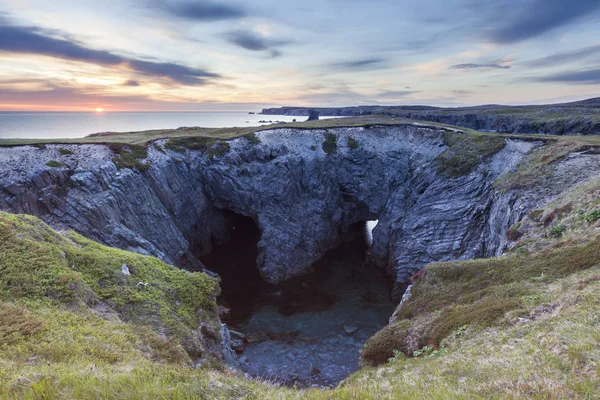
(352, 143)
(41, 268)
(74, 326)
(54, 164)
(466, 151)
(130, 156)
(478, 294)
(65, 152)
(330, 143)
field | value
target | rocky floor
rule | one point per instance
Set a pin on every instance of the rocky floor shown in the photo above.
(309, 332)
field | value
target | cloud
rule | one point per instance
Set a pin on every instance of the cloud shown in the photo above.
(360, 65)
(131, 83)
(251, 41)
(585, 77)
(539, 17)
(33, 40)
(564, 57)
(480, 66)
(201, 10)
(394, 94)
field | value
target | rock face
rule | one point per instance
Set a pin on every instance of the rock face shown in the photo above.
(313, 116)
(301, 198)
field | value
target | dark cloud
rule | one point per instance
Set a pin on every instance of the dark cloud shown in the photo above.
(585, 77)
(480, 66)
(394, 94)
(132, 83)
(564, 57)
(251, 41)
(537, 17)
(363, 64)
(201, 10)
(32, 40)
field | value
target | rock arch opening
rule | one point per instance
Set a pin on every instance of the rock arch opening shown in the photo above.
(308, 330)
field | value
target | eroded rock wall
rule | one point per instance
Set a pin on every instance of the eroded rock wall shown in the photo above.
(301, 197)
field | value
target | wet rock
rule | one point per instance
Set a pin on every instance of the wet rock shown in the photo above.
(256, 337)
(350, 329)
(238, 341)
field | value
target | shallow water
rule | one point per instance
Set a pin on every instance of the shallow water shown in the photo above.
(307, 331)
(313, 347)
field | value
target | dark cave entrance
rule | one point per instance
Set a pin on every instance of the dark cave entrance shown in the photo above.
(308, 330)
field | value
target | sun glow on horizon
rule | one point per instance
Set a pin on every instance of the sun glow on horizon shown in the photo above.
(99, 110)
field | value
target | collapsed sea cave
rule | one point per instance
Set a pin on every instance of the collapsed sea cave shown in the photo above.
(306, 331)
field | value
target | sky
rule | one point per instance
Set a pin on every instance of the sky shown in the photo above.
(194, 55)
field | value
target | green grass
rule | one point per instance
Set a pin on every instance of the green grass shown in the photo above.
(54, 164)
(465, 151)
(479, 293)
(72, 327)
(130, 156)
(352, 143)
(39, 265)
(65, 152)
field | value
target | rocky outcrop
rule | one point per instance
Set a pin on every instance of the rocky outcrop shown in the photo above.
(301, 197)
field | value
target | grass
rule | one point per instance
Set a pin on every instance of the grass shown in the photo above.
(511, 327)
(477, 293)
(65, 152)
(41, 266)
(54, 164)
(130, 156)
(330, 144)
(465, 151)
(352, 143)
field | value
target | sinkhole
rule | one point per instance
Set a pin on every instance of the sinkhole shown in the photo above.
(307, 331)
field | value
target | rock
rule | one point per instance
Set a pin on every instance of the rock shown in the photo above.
(243, 359)
(300, 199)
(291, 356)
(350, 329)
(313, 115)
(238, 341)
(256, 337)
(125, 270)
(314, 371)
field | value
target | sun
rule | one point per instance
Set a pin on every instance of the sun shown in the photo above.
(99, 109)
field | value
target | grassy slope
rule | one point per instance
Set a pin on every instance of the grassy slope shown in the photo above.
(517, 326)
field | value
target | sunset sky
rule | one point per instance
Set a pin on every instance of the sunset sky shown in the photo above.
(245, 55)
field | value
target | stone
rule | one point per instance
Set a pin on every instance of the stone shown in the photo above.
(313, 115)
(301, 199)
(237, 341)
(256, 337)
(125, 270)
(350, 329)
(243, 359)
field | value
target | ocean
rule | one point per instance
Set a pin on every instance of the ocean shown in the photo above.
(63, 125)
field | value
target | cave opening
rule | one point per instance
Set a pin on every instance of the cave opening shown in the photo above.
(306, 331)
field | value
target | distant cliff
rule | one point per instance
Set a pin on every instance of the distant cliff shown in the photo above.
(558, 119)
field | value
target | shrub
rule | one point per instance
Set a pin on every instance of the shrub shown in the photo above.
(352, 143)
(513, 233)
(592, 216)
(54, 164)
(65, 152)
(252, 138)
(218, 149)
(130, 156)
(16, 323)
(557, 231)
(330, 143)
(548, 218)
